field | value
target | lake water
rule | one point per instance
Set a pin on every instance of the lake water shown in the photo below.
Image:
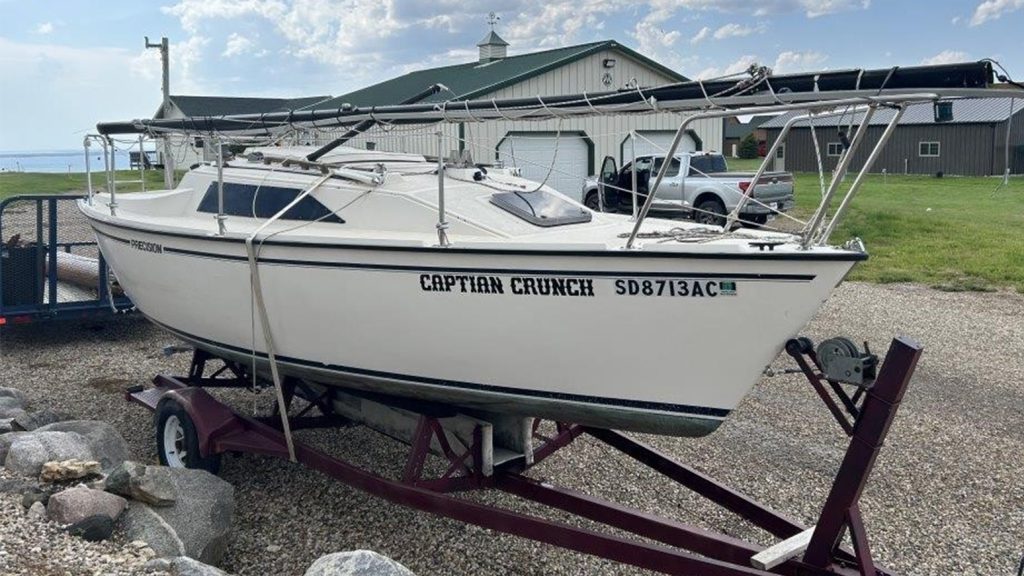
(56, 160)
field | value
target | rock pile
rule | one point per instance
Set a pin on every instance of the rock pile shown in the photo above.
(177, 511)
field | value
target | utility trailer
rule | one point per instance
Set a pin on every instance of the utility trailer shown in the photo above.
(50, 267)
(494, 452)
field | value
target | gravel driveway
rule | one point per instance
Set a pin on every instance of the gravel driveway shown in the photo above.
(944, 499)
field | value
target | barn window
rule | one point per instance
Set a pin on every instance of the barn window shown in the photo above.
(928, 149)
(835, 148)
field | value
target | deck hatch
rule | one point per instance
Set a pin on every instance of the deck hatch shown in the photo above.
(541, 208)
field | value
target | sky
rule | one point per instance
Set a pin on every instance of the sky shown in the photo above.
(65, 65)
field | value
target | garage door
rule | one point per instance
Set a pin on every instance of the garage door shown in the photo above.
(533, 154)
(655, 142)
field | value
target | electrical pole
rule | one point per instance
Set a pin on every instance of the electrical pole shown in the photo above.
(165, 60)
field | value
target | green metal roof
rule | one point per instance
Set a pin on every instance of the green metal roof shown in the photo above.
(222, 105)
(475, 79)
(492, 39)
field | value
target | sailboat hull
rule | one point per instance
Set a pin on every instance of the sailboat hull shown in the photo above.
(653, 342)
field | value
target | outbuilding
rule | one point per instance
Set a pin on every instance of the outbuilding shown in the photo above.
(562, 153)
(982, 138)
(187, 151)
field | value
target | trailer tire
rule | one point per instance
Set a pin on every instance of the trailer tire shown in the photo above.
(177, 443)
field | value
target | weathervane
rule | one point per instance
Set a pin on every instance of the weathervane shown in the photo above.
(492, 19)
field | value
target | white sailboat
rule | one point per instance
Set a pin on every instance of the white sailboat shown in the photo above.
(393, 274)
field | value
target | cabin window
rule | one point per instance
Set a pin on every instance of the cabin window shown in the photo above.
(928, 149)
(541, 208)
(707, 164)
(252, 201)
(673, 167)
(835, 148)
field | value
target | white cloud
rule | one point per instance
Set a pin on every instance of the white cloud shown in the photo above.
(73, 86)
(955, 20)
(237, 45)
(740, 65)
(788, 62)
(811, 8)
(733, 30)
(44, 28)
(994, 9)
(816, 8)
(703, 34)
(652, 39)
(185, 57)
(947, 57)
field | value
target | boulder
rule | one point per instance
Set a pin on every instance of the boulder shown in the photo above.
(154, 486)
(161, 565)
(11, 407)
(37, 512)
(17, 485)
(29, 451)
(184, 566)
(5, 443)
(93, 528)
(33, 495)
(357, 563)
(120, 478)
(198, 524)
(79, 503)
(29, 421)
(14, 393)
(6, 425)
(64, 470)
(107, 445)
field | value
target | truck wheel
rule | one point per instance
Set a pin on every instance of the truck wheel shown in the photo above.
(177, 444)
(710, 211)
(591, 202)
(754, 220)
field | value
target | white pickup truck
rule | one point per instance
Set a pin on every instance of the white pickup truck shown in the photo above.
(697, 184)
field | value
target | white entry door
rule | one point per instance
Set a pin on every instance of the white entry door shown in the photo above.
(533, 154)
(655, 142)
(780, 159)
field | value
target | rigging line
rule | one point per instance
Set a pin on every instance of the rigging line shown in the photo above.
(703, 90)
(469, 113)
(887, 78)
(591, 104)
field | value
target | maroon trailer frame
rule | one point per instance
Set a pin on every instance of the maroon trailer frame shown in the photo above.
(866, 416)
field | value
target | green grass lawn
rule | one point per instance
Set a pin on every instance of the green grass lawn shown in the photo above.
(951, 233)
(12, 183)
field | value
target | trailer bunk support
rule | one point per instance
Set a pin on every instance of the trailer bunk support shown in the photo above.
(677, 548)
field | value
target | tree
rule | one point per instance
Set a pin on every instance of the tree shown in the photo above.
(748, 147)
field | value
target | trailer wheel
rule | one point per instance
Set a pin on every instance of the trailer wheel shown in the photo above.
(177, 444)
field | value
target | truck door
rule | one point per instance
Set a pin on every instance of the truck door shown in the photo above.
(608, 196)
(671, 189)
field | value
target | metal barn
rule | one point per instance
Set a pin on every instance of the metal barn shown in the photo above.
(973, 143)
(574, 147)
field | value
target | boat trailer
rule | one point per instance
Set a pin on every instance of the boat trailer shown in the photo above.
(475, 454)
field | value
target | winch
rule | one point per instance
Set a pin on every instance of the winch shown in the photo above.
(842, 361)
